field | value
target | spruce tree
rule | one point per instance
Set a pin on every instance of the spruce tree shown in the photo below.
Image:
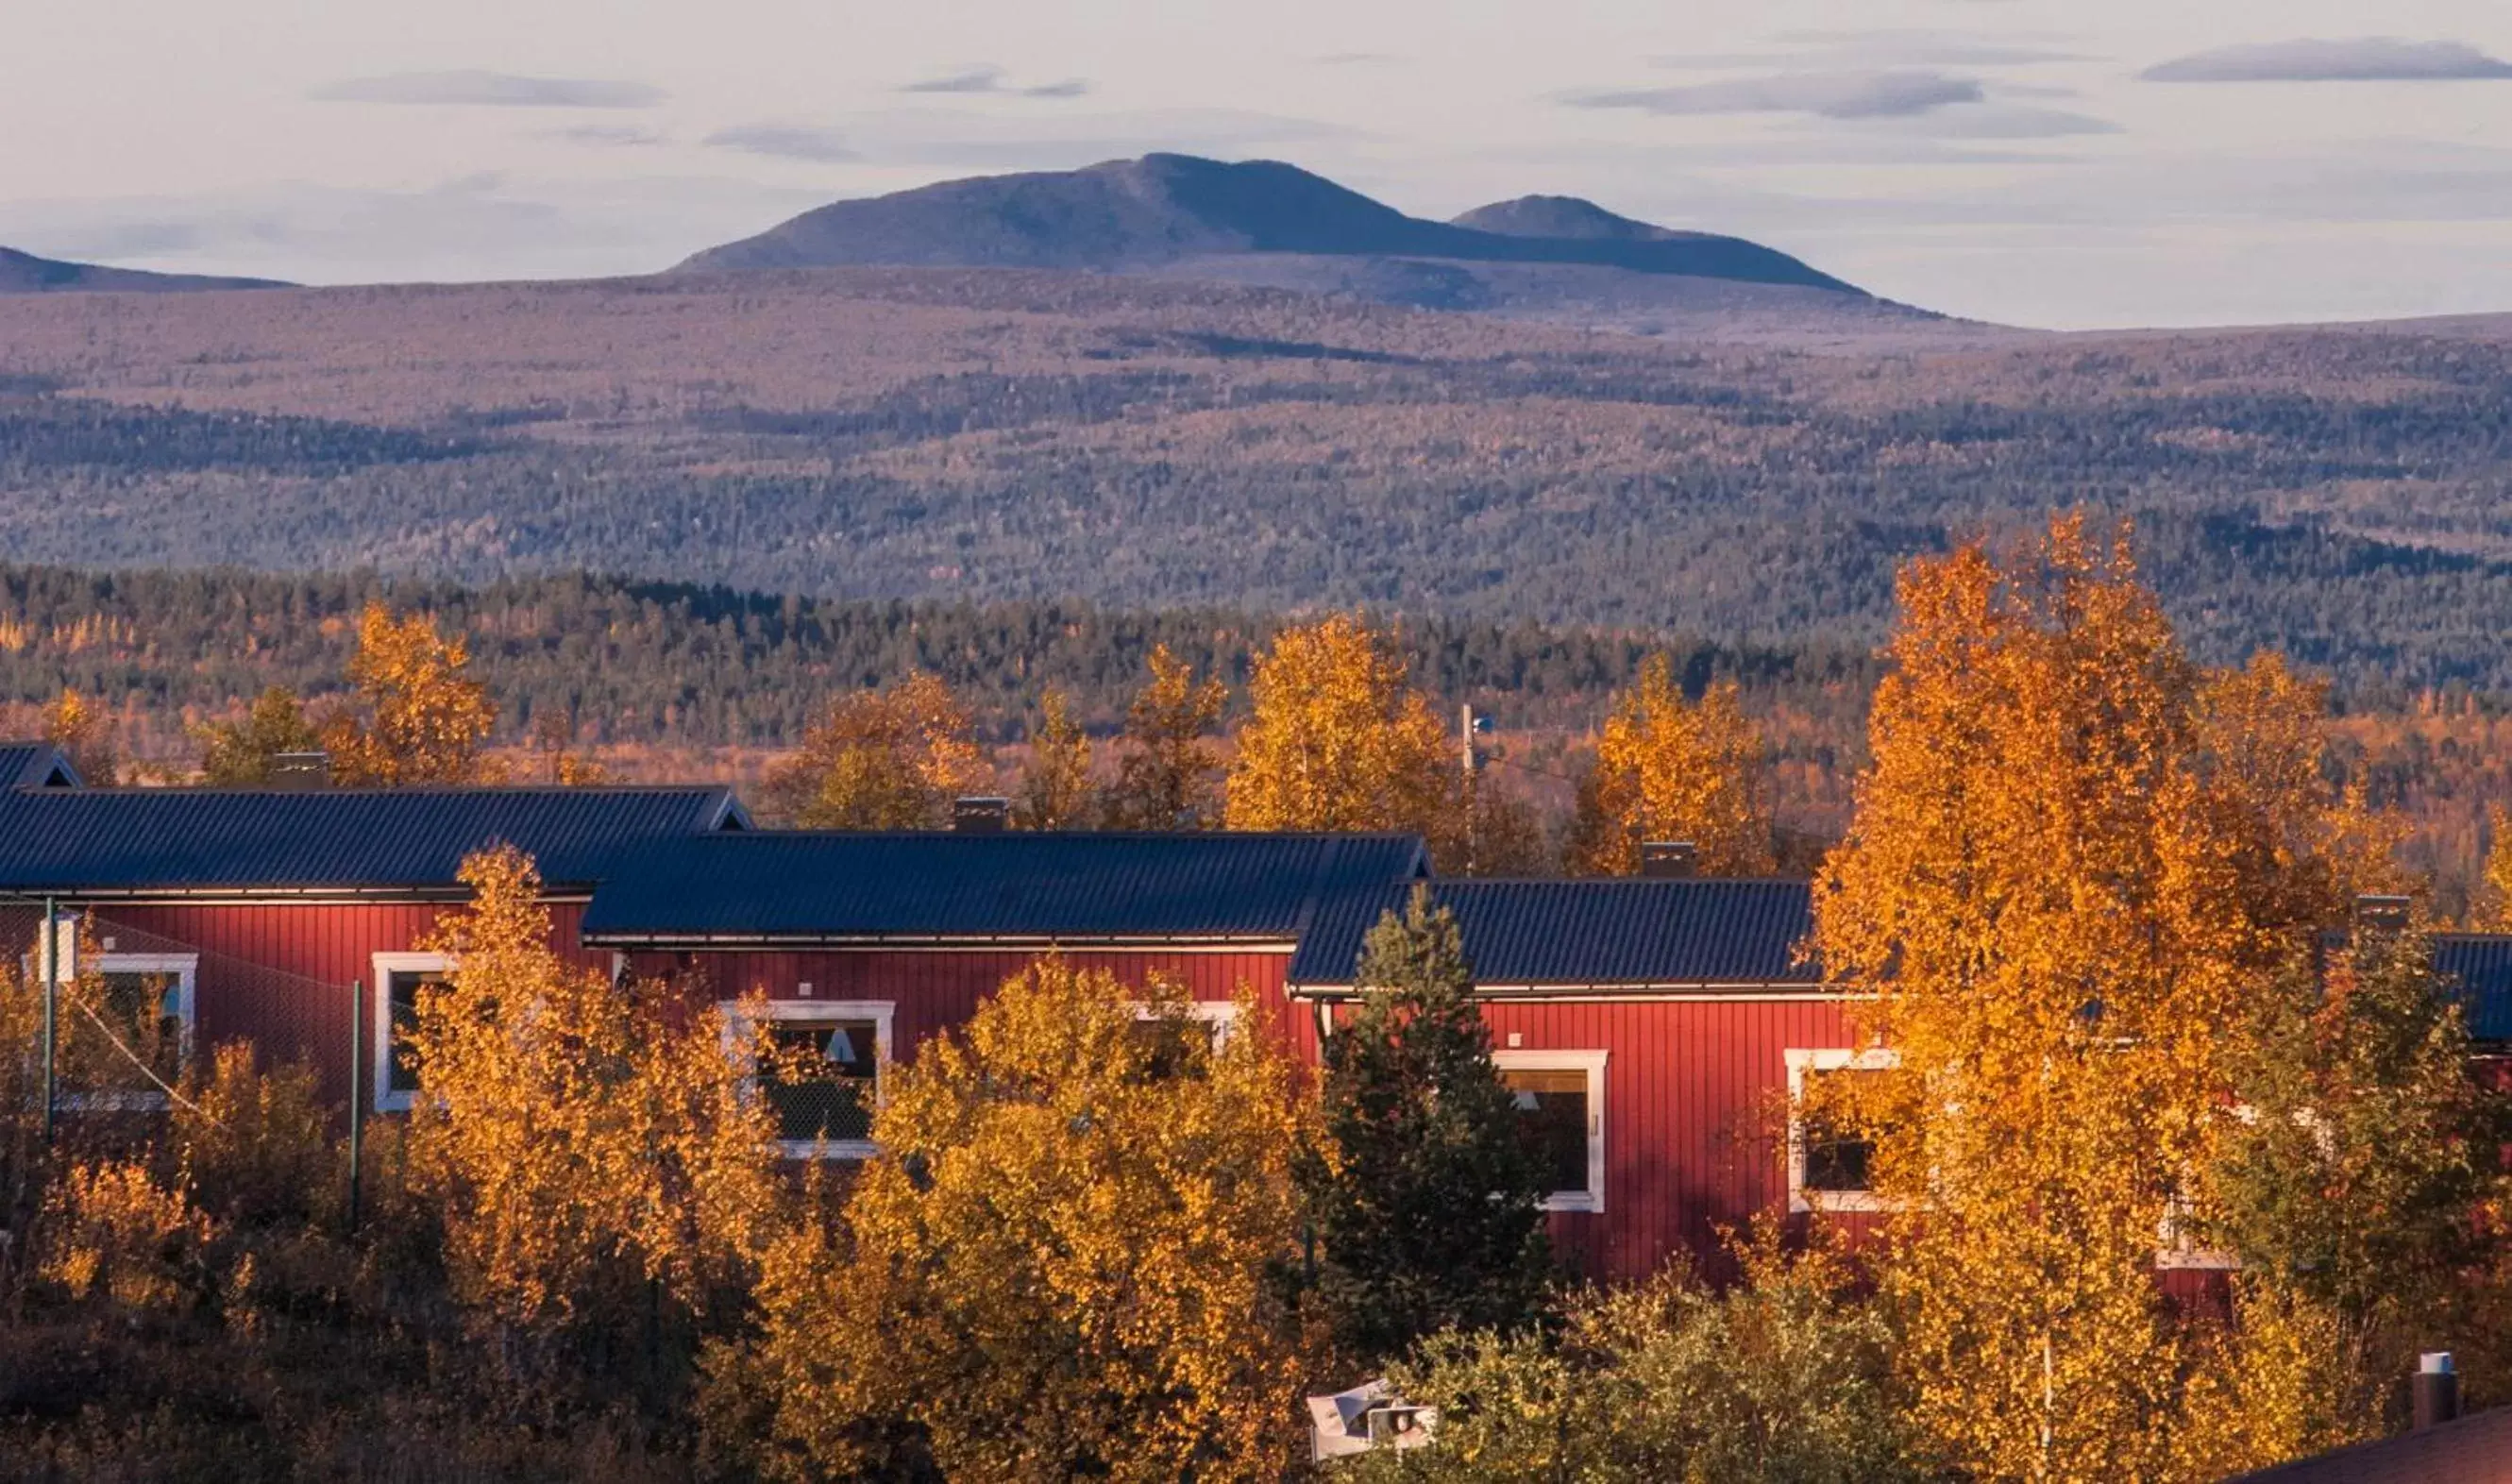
(1425, 1201)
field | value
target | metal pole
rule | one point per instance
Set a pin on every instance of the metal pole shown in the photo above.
(52, 958)
(357, 1096)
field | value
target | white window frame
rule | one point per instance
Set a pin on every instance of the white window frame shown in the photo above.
(380, 1057)
(1222, 1015)
(185, 970)
(881, 1012)
(1593, 1063)
(1803, 1062)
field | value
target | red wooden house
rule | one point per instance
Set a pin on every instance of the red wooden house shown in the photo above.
(275, 915)
(1657, 1031)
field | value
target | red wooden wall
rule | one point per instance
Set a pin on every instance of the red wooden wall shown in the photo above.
(279, 973)
(1695, 1124)
(937, 991)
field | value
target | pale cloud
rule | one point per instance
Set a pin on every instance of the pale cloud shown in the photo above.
(487, 225)
(969, 80)
(995, 80)
(786, 141)
(475, 89)
(1906, 47)
(2370, 58)
(1893, 93)
(611, 135)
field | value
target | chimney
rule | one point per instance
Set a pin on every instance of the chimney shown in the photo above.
(2387, 914)
(1666, 860)
(980, 814)
(300, 770)
(2435, 1391)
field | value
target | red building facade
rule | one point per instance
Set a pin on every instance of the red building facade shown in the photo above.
(1652, 1029)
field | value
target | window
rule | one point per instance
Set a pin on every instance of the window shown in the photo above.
(822, 1079)
(1215, 1018)
(1830, 1166)
(1561, 1107)
(148, 1009)
(399, 977)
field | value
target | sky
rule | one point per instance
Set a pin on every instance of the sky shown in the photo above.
(2055, 163)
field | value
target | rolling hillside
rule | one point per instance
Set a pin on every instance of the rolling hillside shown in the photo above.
(25, 273)
(1146, 443)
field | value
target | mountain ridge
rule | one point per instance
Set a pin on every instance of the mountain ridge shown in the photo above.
(24, 272)
(1162, 209)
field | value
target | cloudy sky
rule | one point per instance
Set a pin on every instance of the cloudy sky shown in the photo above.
(2045, 162)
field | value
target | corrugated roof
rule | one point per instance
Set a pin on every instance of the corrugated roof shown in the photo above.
(826, 886)
(2482, 962)
(192, 839)
(2476, 1449)
(1622, 932)
(34, 766)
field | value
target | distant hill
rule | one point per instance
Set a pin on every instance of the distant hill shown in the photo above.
(1163, 209)
(1565, 218)
(25, 273)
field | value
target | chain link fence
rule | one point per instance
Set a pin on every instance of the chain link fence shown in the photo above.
(118, 1015)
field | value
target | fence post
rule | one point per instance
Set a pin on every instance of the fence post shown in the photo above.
(50, 954)
(357, 1093)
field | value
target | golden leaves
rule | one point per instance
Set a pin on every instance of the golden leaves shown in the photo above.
(425, 716)
(1668, 769)
(1064, 1249)
(2075, 859)
(883, 760)
(1337, 740)
(581, 1139)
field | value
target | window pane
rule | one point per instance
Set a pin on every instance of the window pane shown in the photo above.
(402, 988)
(145, 1013)
(1553, 1111)
(820, 1079)
(1170, 1042)
(1837, 1156)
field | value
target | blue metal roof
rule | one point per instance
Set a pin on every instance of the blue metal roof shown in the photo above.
(2482, 963)
(35, 766)
(807, 886)
(1617, 933)
(128, 841)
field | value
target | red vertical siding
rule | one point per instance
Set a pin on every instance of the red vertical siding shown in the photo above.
(279, 973)
(1694, 1111)
(1696, 1119)
(936, 991)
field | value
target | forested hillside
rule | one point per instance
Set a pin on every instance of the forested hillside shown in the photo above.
(1012, 435)
(665, 681)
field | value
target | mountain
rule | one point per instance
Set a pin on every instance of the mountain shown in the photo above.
(1165, 210)
(25, 273)
(1564, 219)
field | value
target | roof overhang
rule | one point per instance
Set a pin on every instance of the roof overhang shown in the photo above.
(1184, 943)
(1676, 993)
(256, 895)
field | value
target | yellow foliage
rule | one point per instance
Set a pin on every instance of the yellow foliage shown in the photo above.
(1668, 769)
(1061, 1260)
(1166, 777)
(425, 716)
(1056, 791)
(580, 1140)
(2496, 905)
(883, 760)
(2285, 1382)
(554, 738)
(259, 1145)
(110, 1227)
(1337, 740)
(2075, 861)
(83, 729)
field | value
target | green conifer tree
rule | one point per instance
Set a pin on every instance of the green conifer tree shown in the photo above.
(1424, 1198)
